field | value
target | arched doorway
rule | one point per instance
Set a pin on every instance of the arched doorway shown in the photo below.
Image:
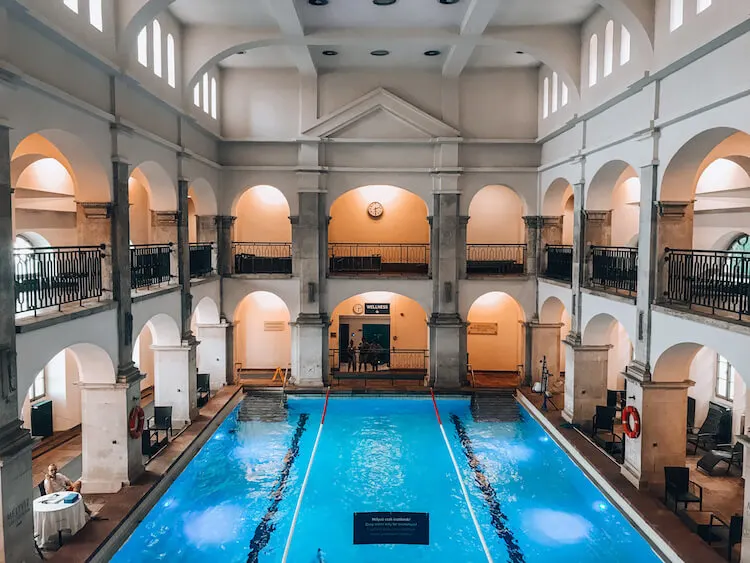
(379, 230)
(557, 231)
(554, 314)
(210, 331)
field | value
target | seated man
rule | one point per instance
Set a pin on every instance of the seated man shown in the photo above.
(55, 482)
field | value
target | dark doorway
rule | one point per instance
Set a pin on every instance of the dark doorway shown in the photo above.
(379, 334)
(344, 343)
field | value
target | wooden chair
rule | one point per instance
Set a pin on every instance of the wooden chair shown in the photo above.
(677, 484)
(731, 533)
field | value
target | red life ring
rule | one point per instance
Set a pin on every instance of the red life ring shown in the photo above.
(136, 419)
(633, 430)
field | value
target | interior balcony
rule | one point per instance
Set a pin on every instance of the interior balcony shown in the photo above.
(558, 263)
(262, 257)
(613, 269)
(495, 260)
(378, 259)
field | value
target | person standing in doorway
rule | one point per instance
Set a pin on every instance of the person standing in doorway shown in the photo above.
(364, 348)
(351, 352)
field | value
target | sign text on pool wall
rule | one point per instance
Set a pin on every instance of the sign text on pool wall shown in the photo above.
(377, 308)
(412, 528)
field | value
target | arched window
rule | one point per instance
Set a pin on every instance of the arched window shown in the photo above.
(171, 67)
(740, 244)
(624, 46)
(95, 14)
(72, 4)
(157, 48)
(555, 91)
(724, 379)
(609, 47)
(206, 101)
(703, 5)
(545, 98)
(676, 10)
(197, 95)
(38, 390)
(143, 47)
(593, 59)
(564, 95)
(214, 96)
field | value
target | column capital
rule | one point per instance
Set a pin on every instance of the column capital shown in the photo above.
(552, 221)
(224, 221)
(601, 216)
(95, 209)
(128, 374)
(13, 439)
(165, 218)
(673, 209)
(533, 221)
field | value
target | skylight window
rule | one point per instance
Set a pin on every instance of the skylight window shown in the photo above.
(593, 59)
(545, 99)
(555, 91)
(171, 66)
(703, 5)
(214, 102)
(157, 48)
(609, 47)
(676, 10)
(72, 4)
(143, 47)
(95, 14)
(624, 46)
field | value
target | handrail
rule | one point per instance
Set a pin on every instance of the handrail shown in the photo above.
(559, 262)
(262, 257)
(150, 264)
(304, 481)
(615, 267)
(377, 257)
(496, 259)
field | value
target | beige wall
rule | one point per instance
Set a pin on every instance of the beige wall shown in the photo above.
(192, 222)
(256, 347)
(404, 219)
(62, 379)
(143, 356)
(262, 216)
(407, 319)
(619, 356)
(503, 351)
(625, 212)
(567, 234)
(140, 212)
(495, 217)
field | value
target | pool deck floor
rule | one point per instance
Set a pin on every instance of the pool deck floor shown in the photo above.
(115, 507)
(689, 546)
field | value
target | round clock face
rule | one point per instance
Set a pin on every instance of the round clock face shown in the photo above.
(358, 309)
(375, 209)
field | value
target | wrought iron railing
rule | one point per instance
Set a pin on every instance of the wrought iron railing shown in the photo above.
(615, 267)
(378, 361)
(200, 259)
(55, 275)
(495, 259)
(374, 258)
(150, 264)
(262, 257)
(559, 262)
(709, 280)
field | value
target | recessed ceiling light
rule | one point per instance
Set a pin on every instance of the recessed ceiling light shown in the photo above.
(383, 2)
(330, 53)
(380, 53)
(431, 53)
(318, 2)
(449, 1)
(520, 53)
(241, 52)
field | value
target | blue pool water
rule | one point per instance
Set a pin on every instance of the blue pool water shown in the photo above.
(235, 501)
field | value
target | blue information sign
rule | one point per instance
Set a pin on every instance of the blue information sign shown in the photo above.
(411, 528)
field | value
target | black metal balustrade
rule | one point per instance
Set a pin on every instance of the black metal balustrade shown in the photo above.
(495, 259)
(200, 259)
(709, 280)
(615, 267)
(150, 264)
(559, 262)
(262, 257)
(380, 364)
(55, 275)
(366, 258)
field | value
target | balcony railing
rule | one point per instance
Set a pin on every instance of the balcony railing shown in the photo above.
(709, 281)
(365, 258)
(615, 268)
(55, 275)
(380, 364)
(200, 259)
(495, 259)
(150, 264)
(262, 257)
(559, 262)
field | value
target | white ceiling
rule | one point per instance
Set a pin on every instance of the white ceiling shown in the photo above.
(356, 27)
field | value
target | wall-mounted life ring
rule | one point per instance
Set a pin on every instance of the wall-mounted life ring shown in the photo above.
(631, 422)
(136, 419)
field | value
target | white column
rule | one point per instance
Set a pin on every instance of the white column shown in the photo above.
(104, 430)
(175, 383)
(745, 558)
(585, 380)
(212, 352)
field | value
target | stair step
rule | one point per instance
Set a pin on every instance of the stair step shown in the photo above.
(500, 406)
(263, 405)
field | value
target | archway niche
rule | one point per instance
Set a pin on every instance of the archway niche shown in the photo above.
(495, 336)
(210, 331)
(262, 336)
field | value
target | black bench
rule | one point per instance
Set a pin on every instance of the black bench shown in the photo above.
(380, 376)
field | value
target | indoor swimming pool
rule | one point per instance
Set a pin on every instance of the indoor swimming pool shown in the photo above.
(519, 498)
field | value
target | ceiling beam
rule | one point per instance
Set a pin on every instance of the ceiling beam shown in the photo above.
(477, 18)
(286, 15)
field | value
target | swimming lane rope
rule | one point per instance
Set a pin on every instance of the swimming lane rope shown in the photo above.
(461, 481)
(304, 482)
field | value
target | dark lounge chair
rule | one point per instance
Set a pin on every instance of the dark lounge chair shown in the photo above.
(731, 455)
(690, 415)
(42, 491)
(710, 430)
(603, 430)
(162, 420)
(680, 488)
(204, 388)
(731, 533)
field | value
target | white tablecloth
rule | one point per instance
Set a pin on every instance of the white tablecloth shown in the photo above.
(51, 517)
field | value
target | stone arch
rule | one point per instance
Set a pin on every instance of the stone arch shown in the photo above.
(91, 181)
(552, 310)
(496, 215)
(263, 215)
(605, 181)
(604, 330)
(165, 330)
(262, 332)
(555, 196)
(160, 187)
(206, 312)
(492, 348)
(203, 196)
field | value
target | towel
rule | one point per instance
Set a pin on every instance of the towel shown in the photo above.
(70, 498)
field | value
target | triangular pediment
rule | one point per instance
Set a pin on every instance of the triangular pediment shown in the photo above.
(380, 114)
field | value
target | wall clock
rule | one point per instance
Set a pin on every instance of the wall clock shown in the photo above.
(375, 210)
(358, 309)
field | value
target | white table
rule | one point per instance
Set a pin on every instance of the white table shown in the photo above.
(51, 517)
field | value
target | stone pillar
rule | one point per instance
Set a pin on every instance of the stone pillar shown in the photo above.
(94, 226)
(189, 342)
(550, 233)
(579, 253)
(447, 329)
(164, 227)
(533, 243)
(585, 380)
(17, 524)
(544, 341)
(175, 382)
(597, 231)
(128, 376)
(224, 260)
(662, 407)
(212, 353)
(674, 230)
(745, 558)
(229, 352)
(309, 255)
(463, 221)
(206, 232)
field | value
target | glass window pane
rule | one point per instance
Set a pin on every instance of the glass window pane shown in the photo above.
(609, 47)
(214, 95)
(171, 70)
(72, 4)
(545, 99)
(593, 59)
(197, 95)
(157, 48)
(564, 96)
(95, 14)
(624, 46)
(702, 5)
(206, 100)
(675, 14)
(555, 90)
(143, 47)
